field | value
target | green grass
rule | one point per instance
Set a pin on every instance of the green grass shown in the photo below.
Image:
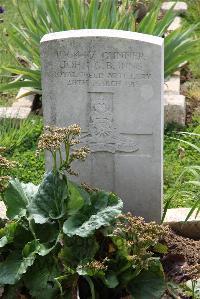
(193, 17)
(7, 99)
(20, 139)
(174, 162)
(10, 16)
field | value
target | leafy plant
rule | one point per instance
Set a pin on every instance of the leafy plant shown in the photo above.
(190, 289)
(180, 186)
(13, 132)
(62, 238)
(20, 137)
(47, 16)
(193, 287)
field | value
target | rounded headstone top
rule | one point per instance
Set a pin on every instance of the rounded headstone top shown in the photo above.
(110, 33)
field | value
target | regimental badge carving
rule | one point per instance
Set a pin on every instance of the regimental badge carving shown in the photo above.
(103, 135)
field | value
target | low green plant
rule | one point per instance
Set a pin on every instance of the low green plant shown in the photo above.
(190, 176)
(189, 289)
(190, 18)
(20, 138)
(15, 133)
(47, 16)
(62, 239)
(193, 287)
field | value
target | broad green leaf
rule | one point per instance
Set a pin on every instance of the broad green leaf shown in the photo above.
(103, 209)
(3, 241)
(7, 233)
(36, 247)
(160, 248)
(50, 202)
(46, 232)
(111, 280)
(17, 197)
(77, 197)
(77, 250)
(12, 290)
(39, 279)
(17, 264)
(29, 190)
(148, 284)
(121, 245)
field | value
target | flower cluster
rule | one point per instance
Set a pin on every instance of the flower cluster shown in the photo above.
(80, 154)
(5, 165)
(53, 137)
(95, 266)
(59, 141)
(3, 180)
(138, 237)
(137, 230)
(49, 141)
(88, 188)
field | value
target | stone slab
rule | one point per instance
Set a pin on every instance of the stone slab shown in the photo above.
(176, 24)
(172, 85)
(111, 83)
(24, 100)
(175, 218)
(15, 112)
(175, 109)
(180, 7)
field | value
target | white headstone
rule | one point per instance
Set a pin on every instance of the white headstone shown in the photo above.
(111, 83)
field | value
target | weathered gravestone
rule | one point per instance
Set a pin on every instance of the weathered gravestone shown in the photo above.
(110, 82)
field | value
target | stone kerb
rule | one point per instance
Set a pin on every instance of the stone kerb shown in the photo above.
(175, 104)
(21, 108)
(176, 24)
(175, 109)
(14, 112)
(175, 218)
(111, 83)
(24, 98)
(180, 7)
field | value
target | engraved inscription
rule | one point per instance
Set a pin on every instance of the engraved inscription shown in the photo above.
(101, 68)
(103, 134)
